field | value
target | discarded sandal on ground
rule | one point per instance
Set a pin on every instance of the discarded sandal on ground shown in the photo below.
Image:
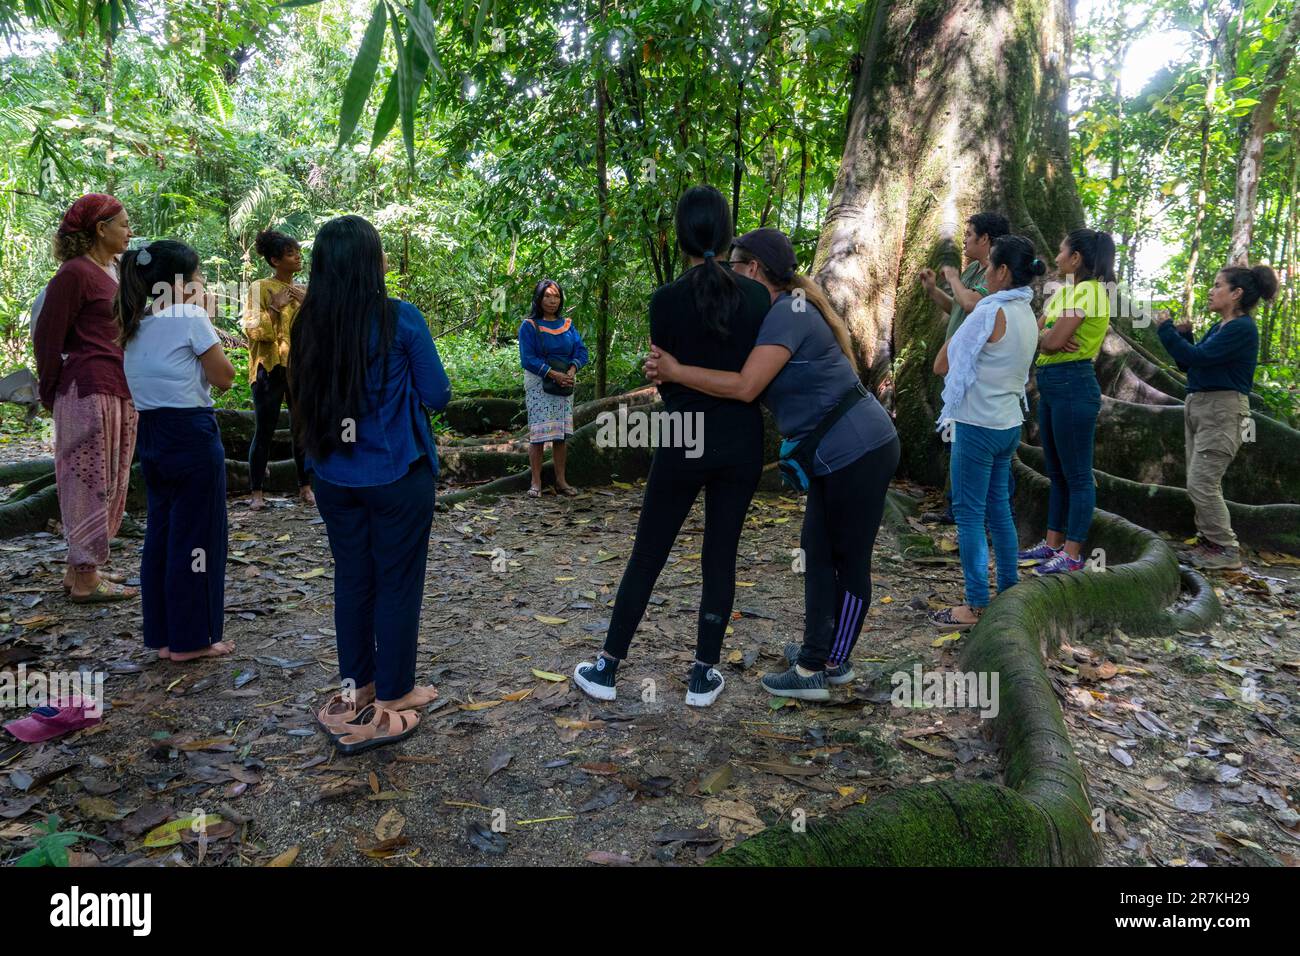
(104, 593)
(47, 723)
(945, 620)
(376, 726)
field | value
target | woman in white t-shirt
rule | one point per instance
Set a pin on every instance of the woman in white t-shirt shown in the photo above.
(985, 365)
(172, 357)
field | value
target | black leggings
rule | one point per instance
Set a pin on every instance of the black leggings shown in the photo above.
(670, 492)
(269, 390)
(839, 533)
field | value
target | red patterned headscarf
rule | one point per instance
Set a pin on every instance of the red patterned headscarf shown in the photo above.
(86, 212)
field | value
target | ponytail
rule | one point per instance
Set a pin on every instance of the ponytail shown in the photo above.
(140, 272)
(1097, 250)
(703, 225)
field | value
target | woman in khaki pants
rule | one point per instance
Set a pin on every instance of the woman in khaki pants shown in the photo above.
(1220, 373)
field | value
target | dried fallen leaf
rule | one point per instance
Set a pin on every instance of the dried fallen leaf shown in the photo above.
(718, 780)
(547, 675)
(390, 825)
(287, 857)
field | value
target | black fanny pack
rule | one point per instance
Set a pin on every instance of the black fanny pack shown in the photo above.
(796, 461)
(549, 385)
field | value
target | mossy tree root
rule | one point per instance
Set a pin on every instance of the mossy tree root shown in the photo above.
(30, 513)
(20, 472)
(1147, 443)
(1042, 815)
(1273, 527)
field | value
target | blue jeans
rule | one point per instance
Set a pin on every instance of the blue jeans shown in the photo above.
(1069, 400)
(379, 536)
(981, 458)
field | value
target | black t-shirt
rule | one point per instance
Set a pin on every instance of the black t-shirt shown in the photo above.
(733, 431)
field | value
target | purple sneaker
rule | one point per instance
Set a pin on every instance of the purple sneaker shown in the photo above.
(1060, 564)
(1039, 552)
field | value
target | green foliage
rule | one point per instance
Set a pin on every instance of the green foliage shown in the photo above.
(52, 848)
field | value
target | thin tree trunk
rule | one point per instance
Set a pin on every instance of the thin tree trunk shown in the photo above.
(1252, 147)
(1202, 170)
(803, 180)
(737, 163)
(602, 202)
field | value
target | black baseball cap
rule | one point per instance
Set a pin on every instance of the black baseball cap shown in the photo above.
(772, 248)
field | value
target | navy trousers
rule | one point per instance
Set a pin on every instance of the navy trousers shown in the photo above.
(183, 569)
(379, 537)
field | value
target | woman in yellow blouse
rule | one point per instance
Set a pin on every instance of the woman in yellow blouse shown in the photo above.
(272, 306)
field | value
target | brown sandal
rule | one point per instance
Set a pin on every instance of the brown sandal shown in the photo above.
(335, 715)
(377, 726)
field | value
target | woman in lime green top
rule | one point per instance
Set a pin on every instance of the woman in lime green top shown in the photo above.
(1073, 326)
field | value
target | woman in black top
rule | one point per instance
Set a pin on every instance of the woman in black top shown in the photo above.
(713, 316)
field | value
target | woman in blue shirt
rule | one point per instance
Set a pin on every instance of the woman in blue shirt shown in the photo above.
(1220, 373)
(550, 348)
(365, 371)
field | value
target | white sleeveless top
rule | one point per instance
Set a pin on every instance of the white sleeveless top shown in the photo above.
(1001, 371)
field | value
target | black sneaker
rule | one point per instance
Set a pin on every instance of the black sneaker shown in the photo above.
(835, 676)
(705, 686)
(790, 684)
(596, 679)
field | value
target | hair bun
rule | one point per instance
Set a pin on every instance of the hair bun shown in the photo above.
(1038, 267)
(1265, 281)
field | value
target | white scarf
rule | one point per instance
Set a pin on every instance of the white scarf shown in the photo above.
(964, 348)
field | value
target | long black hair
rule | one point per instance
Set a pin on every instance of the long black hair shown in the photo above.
(333, 344)
(704, 231)
(166, 262)
(536, 313)
(1017, 254)
(1097, 250)
(1255, 283)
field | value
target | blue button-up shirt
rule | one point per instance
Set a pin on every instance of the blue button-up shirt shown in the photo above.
(394, 432)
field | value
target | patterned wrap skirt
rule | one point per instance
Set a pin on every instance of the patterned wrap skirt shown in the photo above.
(550, 417)
(94, 441)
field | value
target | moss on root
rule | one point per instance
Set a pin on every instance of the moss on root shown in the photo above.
(1273, 527)
(1042, 815)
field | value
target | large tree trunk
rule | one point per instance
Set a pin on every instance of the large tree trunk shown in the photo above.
(957, 108)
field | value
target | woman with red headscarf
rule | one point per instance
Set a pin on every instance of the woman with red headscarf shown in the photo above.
(82, 381)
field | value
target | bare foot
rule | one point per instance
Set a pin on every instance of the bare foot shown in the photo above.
(307, 496)
(257, 502)
(417, 697)
(164, 654)
(964, 614)
(219, 649)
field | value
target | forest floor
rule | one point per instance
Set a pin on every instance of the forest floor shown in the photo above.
(518, 591)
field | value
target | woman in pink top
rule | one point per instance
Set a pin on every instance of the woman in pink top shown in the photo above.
(82, 381)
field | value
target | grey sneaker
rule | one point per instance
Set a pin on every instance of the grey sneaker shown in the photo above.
(1214, 557)
(835, 676)
(789, 684)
